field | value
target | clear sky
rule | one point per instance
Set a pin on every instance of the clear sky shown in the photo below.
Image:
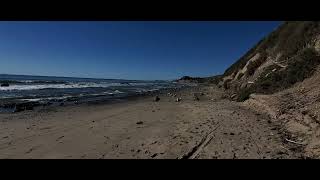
(126, 50)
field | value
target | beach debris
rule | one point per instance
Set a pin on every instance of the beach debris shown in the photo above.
(154, 142)
(178, 99)
(233, 96)
(156, 99)
(195, 97)
(139, 122)
(5, 85)
(288, 140)
(154, 155)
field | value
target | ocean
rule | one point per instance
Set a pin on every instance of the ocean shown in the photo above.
(58, 89)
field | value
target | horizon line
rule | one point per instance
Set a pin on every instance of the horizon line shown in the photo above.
(83, 77)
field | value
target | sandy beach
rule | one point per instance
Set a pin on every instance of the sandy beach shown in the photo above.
(212, 127)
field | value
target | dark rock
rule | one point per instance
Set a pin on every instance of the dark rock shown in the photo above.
(25, 106)
(139, 122)
(156, 99)
(29, 107)
(47, 104)
(18, 108)
(5, 85)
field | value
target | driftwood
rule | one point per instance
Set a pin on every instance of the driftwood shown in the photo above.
(294, 142)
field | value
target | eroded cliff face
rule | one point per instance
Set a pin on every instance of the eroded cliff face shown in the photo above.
(296, 110)
(281, 77)
(286, 56)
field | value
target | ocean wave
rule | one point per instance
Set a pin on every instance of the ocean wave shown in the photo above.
(60, 86)
(38, 99)
(31, 82)
(46, 99)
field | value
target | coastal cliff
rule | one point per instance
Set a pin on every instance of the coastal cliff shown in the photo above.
(280, 75)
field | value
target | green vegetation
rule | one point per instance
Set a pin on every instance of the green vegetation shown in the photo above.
(299, 67)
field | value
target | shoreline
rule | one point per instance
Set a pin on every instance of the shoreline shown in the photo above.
(139, 128)
(18, 105)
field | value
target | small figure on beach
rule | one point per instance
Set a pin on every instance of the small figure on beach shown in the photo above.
(195, 97)
(156, 99)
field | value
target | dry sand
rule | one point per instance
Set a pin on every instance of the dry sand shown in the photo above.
(212, 127)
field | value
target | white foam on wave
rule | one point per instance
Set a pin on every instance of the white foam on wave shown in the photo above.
(48, 98)
(117, 92)
(59, 86)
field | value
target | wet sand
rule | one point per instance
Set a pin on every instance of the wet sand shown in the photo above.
(212, 127)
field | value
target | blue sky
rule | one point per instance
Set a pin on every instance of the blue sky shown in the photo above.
(126, 50)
